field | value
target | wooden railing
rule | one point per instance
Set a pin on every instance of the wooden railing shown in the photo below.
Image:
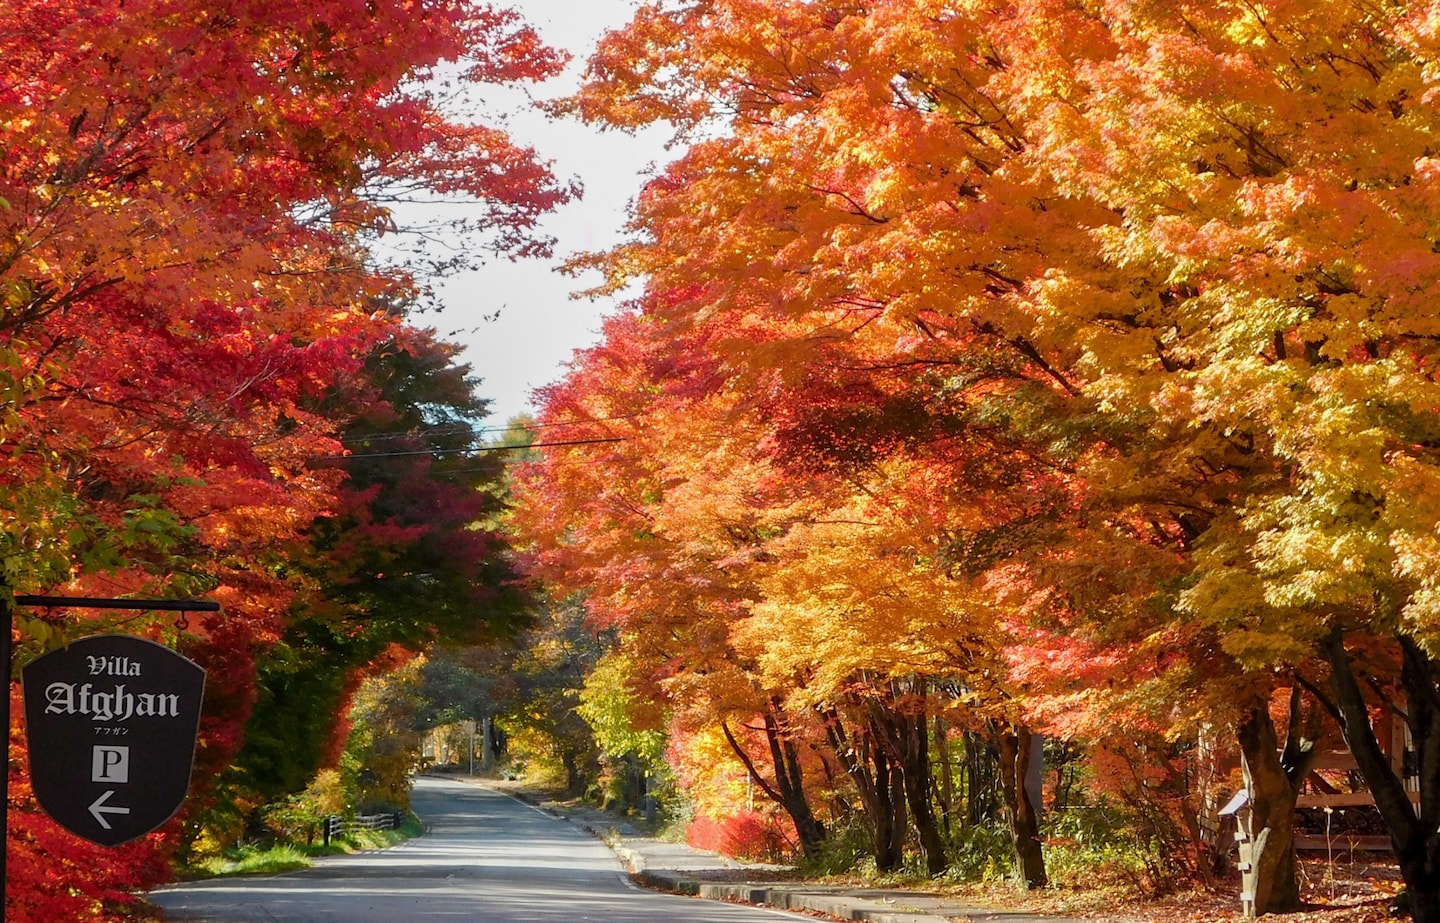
(336, 825)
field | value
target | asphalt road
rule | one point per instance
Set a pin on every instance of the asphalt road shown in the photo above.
(487, 858)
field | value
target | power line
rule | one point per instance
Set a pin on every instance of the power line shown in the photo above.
(483, 448)
(457, 430)
(464, 428)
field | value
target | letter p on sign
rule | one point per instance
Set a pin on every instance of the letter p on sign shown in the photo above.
(110, 764)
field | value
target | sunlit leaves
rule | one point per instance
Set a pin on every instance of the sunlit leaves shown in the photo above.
(623, 723)
(1105, 334)
(186, 202)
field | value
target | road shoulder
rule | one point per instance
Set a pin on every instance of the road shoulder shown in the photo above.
(681, 869)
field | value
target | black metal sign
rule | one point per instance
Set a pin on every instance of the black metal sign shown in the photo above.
(111, 722)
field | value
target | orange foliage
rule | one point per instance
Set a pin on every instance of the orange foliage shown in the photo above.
(1094, 339)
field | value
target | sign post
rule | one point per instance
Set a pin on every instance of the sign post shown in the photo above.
(6, 655)
(111, 722)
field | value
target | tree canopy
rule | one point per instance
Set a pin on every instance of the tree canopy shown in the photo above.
(194, 330)
(1085, 348)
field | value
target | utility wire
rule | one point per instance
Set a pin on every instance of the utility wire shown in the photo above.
(483, 448)
(463, 428)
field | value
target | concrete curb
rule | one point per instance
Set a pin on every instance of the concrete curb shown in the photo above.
(895, 907)
(779, 896)
(782, 898)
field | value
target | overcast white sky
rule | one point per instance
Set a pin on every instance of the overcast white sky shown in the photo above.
(539, 325)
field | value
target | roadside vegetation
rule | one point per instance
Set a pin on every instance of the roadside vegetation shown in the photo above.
(260, 859)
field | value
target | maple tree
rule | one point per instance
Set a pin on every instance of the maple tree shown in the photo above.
(1284, 232)
(641, 522)
(1109, 226)
(712, 513)
(870, 632)
(854, 223)
(185, 210)
(196, 184)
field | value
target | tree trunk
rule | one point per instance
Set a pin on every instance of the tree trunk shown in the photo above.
(1412, 833)
(879, 788)
(790, 775)
(891, 824)
(981, 771)
(1017, 763)
(487, 745)
(947, 775)
(572, 772)
(788, 790)
(634, 783)
(1418, 862)
(1273, 779)
(910, 735)
(905, 739)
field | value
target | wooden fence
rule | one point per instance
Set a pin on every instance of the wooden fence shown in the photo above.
(335, 825)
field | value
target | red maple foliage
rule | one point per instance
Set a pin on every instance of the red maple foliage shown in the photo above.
(186, 205)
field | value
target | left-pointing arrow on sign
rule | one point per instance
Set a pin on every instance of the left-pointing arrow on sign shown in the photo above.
(99, 808)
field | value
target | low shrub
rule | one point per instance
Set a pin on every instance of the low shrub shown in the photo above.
(748, 835)
(847, 847)
(1091, 846)
(297, 819)
(982, 852)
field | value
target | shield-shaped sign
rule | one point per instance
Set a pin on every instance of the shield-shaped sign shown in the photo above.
(111, 721)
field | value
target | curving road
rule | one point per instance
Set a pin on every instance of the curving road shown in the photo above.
(487, 858)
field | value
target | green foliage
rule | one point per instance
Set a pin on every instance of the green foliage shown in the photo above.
(625, 726)
(411, 556)
(1093, 846)
(299, 817)
(383, 746)
(538, 758)
(372, 775)
(630, 786)
(371, 839)
(253, 860)
(272, 858)
(401, 560)
(1087, 846)
(612, 709)
(984, 852)
(546, 729)
(300, 688)
(47, 534)
(848, 845)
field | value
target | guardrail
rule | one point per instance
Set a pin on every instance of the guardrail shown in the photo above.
(336, 825)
